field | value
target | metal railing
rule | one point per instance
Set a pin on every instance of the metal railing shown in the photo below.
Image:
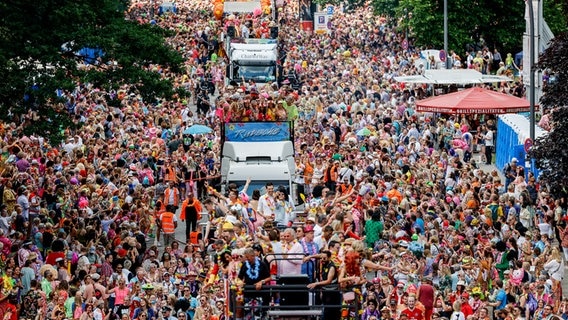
(280, 299)
(252, 305)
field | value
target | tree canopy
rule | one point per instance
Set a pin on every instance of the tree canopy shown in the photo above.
(43, 43)
(496, 24)
(550, 151)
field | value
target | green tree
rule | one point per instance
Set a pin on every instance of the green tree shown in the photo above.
(40, 51)
(386, 8)
(550, 150)
(493, 23)
(427, 23)
(505, 26)
(469, 24)
(556, 22)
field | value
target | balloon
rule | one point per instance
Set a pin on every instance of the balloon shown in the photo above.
(218, 11)
(218, 8)
(257, 12)
(218, 14)
(265, 5)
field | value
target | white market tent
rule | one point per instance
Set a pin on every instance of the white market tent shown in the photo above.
(452, 76)
(241, 6)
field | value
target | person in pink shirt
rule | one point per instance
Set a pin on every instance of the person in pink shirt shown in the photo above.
(292, 253)
(121, 291)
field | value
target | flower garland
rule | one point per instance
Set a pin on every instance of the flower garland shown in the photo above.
(234, 270)
(307, 250)
(236, 206)
(270, 202)
(288, 245)
(8, 283)
(237, 286)
(253, 273)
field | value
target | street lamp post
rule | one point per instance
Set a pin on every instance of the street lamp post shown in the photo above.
(406, 25)
(446, 33)
(531, 69)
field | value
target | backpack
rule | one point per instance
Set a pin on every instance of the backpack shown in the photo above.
(147, 178)
(506, 169)
(186, 140)
(531, 303)
(496, 211)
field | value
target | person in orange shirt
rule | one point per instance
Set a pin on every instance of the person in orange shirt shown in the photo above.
(394, 193)
(168, 222)
(170, 172)
(191, 214)
(308, 173)
(331, 175)
(171, 196)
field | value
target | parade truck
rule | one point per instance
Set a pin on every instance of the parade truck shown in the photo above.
(260, 151)
(252, 59)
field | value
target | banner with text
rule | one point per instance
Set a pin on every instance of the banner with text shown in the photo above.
(257, 131)
(322, 23)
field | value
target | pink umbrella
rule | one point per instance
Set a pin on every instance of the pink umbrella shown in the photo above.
(460, 144)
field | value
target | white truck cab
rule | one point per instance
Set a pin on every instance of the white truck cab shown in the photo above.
(261, 151)
(253, 59)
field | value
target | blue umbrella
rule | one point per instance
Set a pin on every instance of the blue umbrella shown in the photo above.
(364, 132)
(197, 129)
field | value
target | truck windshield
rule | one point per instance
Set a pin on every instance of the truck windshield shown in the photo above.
(256, 73)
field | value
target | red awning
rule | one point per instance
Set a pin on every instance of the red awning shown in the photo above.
(474, 100)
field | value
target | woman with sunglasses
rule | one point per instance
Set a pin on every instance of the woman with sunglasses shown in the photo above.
(121, 292)
(144, 311)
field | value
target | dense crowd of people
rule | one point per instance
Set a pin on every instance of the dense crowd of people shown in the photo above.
(400, 221)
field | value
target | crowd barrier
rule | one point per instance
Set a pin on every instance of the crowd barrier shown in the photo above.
(305, 304)
(294, 298)
(512, 132)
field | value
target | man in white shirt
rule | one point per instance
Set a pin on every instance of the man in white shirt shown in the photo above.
(5, 220)
(318, 229)
(323, 240)
(488, 139)
(327, 132)
(345, 173)
(267, 203)
(185, 115)
(245, 32)
(23, 202)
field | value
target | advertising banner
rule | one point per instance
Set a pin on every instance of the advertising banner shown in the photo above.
(257, 131)
(321, 22)
(244, 6)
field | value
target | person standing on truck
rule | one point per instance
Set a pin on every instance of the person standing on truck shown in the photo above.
(284, 209)
(267, 203)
